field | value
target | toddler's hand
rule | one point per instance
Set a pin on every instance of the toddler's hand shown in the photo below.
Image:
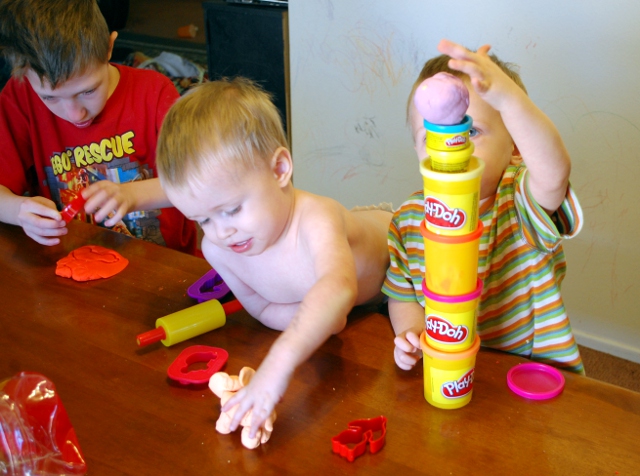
(260, 397)
(407, 351)
(486, 77)
(107, 199)
(40, 220)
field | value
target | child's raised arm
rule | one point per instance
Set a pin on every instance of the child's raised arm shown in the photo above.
(535, 136)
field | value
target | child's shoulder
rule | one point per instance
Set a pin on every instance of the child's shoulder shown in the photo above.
(311, 207)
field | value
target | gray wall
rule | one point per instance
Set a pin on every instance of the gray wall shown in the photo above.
(352, 66)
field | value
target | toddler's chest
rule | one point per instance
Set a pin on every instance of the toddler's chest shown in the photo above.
(282, 278)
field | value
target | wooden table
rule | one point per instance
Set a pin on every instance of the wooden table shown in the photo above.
(131, 419)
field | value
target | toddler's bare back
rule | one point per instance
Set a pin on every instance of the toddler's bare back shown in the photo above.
(367, 234)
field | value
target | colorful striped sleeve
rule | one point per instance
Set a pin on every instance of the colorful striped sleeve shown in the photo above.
(404, 277)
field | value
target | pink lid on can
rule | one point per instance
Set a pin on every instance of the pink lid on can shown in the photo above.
(452, 299)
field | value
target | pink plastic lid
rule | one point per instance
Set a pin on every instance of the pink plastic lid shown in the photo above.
(535, 381)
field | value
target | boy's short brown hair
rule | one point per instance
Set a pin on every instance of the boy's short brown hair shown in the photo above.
(57, 39)
(440, 64)
(230, 124)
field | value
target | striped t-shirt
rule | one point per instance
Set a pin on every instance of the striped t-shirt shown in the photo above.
(521, 263)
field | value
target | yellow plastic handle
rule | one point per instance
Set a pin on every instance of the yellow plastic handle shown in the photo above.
(192, 322)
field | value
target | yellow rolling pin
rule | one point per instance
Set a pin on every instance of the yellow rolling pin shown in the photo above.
(190, 322)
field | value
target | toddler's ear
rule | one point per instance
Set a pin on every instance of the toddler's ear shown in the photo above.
(282, 166)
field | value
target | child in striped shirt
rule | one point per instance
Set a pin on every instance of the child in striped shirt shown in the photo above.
(527, 208)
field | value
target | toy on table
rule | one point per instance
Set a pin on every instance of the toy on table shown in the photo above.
(442, 101)
(215, 358)
(225, 386)
(72, 208)
(353, 441)
(209, 286)
(535, 381)
(451, 232)
(190, 322)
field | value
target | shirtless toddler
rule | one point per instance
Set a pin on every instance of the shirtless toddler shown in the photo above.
(297, 262)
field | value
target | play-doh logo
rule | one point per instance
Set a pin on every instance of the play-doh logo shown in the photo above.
(441, 330)
(458, 388)
(438, 214)
(455, 141)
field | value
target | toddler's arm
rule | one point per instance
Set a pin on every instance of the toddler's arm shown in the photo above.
(105, 197)
(322, 312)
(407, 319)
(534, 134)
(37, 216)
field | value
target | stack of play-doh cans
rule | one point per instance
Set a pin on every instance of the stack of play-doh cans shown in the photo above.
(451, 231)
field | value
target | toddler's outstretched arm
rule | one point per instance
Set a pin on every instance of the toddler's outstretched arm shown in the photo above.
(534, 134)
(322, 312)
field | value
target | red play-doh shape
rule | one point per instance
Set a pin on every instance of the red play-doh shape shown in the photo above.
(91, 262)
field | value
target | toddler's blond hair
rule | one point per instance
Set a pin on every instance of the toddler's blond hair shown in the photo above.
(228, 125)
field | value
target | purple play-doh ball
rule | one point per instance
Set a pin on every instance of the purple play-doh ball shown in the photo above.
(442, 99)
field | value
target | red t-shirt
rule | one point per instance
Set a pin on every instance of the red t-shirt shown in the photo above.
(41, 154)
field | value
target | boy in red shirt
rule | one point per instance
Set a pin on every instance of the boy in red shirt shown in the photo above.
(71, 124)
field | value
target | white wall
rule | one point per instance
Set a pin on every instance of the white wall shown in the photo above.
(352, 66)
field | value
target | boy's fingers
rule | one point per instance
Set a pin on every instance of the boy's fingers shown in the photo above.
(44, 241)
(119, 215)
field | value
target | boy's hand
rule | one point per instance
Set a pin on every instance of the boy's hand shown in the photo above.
(260, 397)
(40, 220)
(108, 199)
(407, 351)
(488, 80)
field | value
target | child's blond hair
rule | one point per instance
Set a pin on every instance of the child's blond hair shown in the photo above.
(440, 64)
(57, 39)
(228, 124)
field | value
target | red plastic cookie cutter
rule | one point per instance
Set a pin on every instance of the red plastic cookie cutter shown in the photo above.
(179, 369)
(352, 442)
(72, 208)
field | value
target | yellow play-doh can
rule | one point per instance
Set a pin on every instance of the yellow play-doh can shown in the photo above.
(454, 161)
(449, 137)
(448, 376)
(451, 262)
(451, 200)
(450, 321)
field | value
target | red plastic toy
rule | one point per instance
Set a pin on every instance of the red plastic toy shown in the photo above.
(179, 369)
(352, 442)
(72, 208)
